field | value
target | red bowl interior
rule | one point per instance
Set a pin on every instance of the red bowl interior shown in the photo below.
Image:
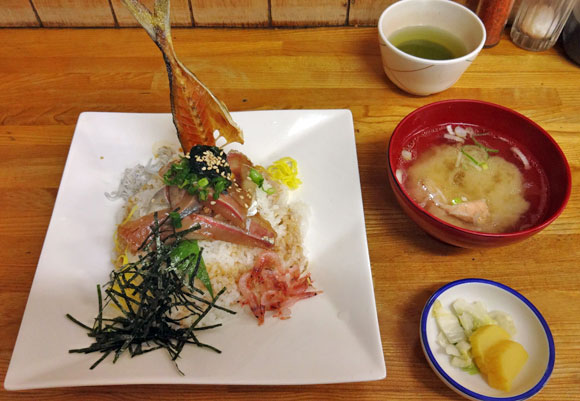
(512, 126)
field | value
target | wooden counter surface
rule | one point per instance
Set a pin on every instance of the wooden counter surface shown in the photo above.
(47, 77)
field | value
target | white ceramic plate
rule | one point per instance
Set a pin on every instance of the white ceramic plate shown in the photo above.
(330, 338)
(532, 332)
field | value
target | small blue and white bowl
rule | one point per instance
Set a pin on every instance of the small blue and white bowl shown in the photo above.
(532, 332)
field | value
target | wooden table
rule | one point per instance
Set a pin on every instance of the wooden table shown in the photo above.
(47, 77)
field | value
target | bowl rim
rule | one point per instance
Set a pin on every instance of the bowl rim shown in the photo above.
(462, 389)
(469, 57)
(513, 234)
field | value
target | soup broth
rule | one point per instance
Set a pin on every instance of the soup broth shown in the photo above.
(477, 182)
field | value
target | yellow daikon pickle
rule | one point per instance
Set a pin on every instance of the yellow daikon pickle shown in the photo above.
(497, 357)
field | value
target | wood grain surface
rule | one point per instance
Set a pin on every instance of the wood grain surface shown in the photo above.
(47, 77)
(297, 13)
(67, 13)
(215, 13)
(17, 13)
(239, 13)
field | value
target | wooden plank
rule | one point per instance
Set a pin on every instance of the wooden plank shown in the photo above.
(238, 13)
(74, 13)
(300, 13)
(367, 12)
(17, 13)
(180, 13)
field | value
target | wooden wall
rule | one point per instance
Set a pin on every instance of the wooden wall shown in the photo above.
(192, 13)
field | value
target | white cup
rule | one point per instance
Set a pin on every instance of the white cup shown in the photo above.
(420, 76)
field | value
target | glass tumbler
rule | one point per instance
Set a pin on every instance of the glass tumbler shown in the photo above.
(538, 23)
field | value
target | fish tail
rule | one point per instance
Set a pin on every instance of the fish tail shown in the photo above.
(156, 22)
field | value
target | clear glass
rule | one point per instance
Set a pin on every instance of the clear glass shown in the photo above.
(538, 23)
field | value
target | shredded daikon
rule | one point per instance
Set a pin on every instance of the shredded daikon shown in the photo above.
(399, 175)
(454, 138)
(522, 157)
(458, 160)
(460, 131)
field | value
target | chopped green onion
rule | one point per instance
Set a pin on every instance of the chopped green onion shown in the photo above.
(473, 153)
(204, 182)
(219, 184)
(456, 201)
(482, 146)
(258, 179)
(196, 177)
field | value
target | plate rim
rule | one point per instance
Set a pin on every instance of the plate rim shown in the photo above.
(453, 383)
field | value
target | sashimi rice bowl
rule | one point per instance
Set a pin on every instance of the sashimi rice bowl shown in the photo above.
(203, 234)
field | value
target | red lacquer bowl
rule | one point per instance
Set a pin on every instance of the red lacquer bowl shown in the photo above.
(512, 126)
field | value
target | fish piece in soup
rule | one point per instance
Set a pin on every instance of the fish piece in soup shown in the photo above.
(486, 197)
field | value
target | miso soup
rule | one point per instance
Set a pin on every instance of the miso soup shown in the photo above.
(476, 181)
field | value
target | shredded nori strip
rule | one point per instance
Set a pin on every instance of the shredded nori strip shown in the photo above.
(146, 292)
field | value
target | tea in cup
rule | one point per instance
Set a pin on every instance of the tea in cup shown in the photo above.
(426, 45)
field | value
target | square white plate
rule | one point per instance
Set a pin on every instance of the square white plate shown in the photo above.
(331, 338)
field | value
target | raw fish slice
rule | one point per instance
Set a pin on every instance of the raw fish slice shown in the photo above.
(197, 113)
(133, 233)
(474, 212)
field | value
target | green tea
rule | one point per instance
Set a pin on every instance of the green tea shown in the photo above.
(428, 42)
